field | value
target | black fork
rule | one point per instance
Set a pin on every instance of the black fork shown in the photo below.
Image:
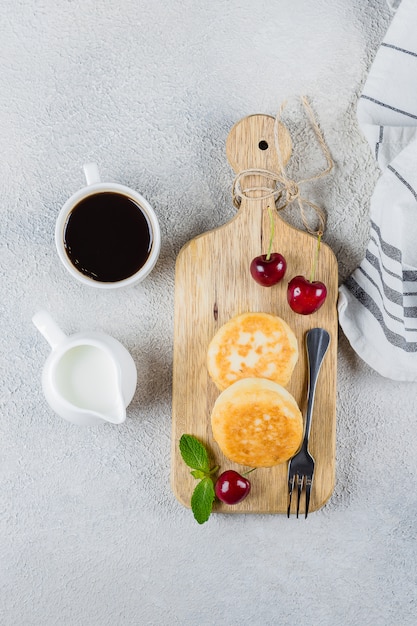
(301, 466)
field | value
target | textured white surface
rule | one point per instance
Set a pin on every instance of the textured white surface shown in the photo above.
(90, 533)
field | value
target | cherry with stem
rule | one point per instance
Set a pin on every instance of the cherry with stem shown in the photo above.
(232, 487)
(268, 269)
(305, 296)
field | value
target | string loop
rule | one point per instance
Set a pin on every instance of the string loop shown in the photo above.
(286, 190)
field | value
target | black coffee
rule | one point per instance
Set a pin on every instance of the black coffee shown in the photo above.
(107, 237)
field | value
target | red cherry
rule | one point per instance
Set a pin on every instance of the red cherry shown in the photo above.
(268, 271)
(231, 487)
(305, 296)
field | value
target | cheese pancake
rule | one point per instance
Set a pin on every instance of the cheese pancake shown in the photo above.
(252, 345)
(257, 422)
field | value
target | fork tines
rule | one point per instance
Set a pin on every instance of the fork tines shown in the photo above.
(300, 481)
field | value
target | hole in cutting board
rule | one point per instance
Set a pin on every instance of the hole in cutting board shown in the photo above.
(263, 145)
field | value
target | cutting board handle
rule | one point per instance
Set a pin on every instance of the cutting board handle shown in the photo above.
(251, 145)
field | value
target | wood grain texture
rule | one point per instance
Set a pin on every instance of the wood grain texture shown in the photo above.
(213, 284)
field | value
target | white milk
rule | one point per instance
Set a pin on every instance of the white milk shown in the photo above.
(86, 377)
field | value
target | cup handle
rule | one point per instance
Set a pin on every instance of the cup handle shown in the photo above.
(91, 173)
(48, 328)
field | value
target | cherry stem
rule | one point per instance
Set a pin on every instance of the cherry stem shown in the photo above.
(272, 233)
(316, 256)
(249, 471)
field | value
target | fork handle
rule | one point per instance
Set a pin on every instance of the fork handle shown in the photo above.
(317, 341)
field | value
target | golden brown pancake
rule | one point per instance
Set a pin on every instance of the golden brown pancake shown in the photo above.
(257, 422)
(252, 345)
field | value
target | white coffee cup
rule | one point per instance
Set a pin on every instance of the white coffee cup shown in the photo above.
(85, 252)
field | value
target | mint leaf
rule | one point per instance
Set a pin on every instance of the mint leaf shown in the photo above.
(196, 456)
(202, 500)
(194, 453)
(198, 474)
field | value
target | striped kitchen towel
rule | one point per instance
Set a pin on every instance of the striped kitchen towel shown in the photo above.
(378, 302)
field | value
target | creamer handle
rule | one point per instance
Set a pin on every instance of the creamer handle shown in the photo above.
(48, 328)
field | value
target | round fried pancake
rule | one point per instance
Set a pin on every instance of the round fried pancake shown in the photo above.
(252, 345)
(257, 422)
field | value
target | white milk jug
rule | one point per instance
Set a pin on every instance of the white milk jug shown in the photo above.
(89, 378)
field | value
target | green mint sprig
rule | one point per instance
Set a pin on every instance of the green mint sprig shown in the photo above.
(195, 455)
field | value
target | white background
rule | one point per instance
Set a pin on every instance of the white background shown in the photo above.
(90, 533)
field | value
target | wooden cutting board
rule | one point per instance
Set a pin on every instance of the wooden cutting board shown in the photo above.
(213, 284)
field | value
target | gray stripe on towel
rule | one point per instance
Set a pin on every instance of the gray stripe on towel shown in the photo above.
(388, 249)
(388, 106)
(365, 299)
(390, 45)
(378, 143)
(398, 175)
(393, 253)
(397, 297)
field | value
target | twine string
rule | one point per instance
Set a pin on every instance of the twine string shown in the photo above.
(286, 189)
